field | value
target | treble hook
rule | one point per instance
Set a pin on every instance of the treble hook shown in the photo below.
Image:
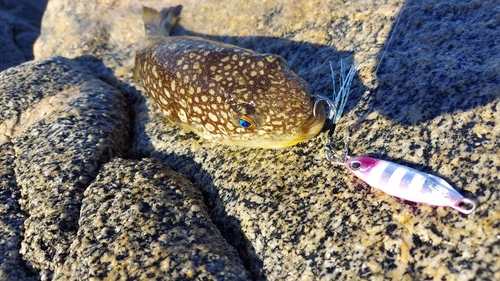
(336, 106)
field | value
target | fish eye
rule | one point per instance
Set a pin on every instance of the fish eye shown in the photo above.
(245, 115)
(355, 165)
(246, 122)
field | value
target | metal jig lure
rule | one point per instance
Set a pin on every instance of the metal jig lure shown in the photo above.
(394, 179)
(402, 181)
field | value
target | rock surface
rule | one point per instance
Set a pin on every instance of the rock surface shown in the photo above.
(433, 105)
(12, 266)
(166, 233)
(63, 123)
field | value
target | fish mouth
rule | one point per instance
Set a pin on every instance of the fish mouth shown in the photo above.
(311, 127)
(314, 123)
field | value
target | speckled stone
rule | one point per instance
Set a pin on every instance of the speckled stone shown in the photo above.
(433, 105)
(12, 218)
(142, 221)
(63, 123)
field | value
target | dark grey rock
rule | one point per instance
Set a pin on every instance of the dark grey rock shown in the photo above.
(12, 266)
(63, 123)
(141, 220)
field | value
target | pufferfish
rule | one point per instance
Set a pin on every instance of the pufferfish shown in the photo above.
(222, 92)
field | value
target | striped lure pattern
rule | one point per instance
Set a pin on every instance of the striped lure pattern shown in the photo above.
(407, 183)
(391, 178)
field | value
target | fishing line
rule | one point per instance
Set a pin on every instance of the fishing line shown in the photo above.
(391, 178)
(391, 36)
(339, 98)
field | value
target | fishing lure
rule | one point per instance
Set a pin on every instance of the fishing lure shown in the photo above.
(403, 182)
(394, 179)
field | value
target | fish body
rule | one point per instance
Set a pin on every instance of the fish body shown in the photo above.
(407, 183)
(224, 93)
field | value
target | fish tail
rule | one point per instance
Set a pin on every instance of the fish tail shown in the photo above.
(160, 23)
(157, 25)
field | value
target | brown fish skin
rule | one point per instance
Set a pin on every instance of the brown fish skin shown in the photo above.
(224, 93)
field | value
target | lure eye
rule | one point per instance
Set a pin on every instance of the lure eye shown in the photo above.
(355, 165)
(246, 122)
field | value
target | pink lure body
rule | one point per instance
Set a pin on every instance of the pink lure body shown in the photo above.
(407, 183)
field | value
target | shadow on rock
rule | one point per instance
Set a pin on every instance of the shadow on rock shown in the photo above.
(435, 67)
(19, 28)
(228, 225)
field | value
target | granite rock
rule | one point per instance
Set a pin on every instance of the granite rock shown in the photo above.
(140, 220)
(292, 215)
(62, 123)
(432, 103)
(12, 266)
